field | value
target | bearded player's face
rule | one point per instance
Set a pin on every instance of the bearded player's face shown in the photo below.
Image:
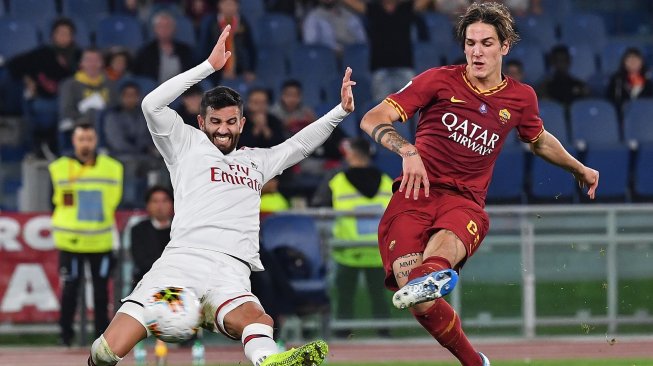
(223, 127)
(483, 51)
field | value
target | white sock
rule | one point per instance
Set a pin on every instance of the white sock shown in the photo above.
(101, 354)
(258, 343)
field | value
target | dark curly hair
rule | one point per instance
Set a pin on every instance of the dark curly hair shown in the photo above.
(220, 97)
(491, 13)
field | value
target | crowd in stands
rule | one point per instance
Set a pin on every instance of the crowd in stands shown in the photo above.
(76, 61)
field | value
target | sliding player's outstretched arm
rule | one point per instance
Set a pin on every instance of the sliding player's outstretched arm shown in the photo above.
(304, 142)
(165, 125)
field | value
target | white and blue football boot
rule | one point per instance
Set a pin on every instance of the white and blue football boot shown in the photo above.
(486, 361)
(426, 288)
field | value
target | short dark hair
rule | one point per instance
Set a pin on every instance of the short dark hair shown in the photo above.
(63, 21)
(158, 188)
(221, 97)
(84, 125)
(361, 146)
(491, 13)
(291, 83)
(130, 84)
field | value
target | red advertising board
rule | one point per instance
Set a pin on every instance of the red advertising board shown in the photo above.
(29, 278)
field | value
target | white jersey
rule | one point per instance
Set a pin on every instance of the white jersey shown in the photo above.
(217, 196)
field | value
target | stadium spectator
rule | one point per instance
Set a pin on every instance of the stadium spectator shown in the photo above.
(240, 42)
(87, 188)
(290, 108)
(214, 231)
(436, 219)
(515, 69)
(631, 81)
(125, 130)
(118, 64)
(561, 85)
(189, 108)
(360, 186)
(163, 57)
(390, 22)
(84, 95)
(196, 10)
(263, 128)
(42, 71)
(332, 25)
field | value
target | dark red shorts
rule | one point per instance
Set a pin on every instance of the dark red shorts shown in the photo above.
(408, 224)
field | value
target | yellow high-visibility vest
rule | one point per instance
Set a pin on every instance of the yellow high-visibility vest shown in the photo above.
(347, 198)
(85, 198)
(274, 202)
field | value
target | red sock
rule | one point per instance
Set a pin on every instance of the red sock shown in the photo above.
(442, 322)
(429, 265)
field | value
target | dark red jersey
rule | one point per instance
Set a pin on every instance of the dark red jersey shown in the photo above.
(461, 129)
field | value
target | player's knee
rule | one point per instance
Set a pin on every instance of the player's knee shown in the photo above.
(101, 353)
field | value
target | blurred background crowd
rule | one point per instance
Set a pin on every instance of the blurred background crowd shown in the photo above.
(65, 62)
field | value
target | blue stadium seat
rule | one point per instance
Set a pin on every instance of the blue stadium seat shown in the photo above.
(507, 185)
(2, 8)
(276, 30)
(536, 29)
(425, 56)
(613, 52)
(553, 116)
(453, 53)
(613, 161)
(362, 91)
(440, 28)
(584, 28)
(512, 139)
(119, 30)
(300, 233)
(271, 68)
(25, 10)
(643, 189)
(594, 121)
(532, 57)
(349, 126)
(144, 83)
(16, 36)
(583, 61)
(90, 11)
(637, 121)
(357, 56)
(557, 9)
(314, 66)
(252, 9)
(550, 183)
(185, 31)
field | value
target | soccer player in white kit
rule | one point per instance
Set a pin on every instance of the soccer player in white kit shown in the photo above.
(214, 239)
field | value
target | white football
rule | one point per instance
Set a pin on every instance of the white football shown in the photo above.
(172, 314)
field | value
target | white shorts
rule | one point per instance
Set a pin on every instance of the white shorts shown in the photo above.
(220, 281)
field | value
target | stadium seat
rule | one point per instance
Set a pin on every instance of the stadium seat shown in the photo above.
(314, 66)
(296, 243)
(2, 9)
(252, 9)
(507, 185)
(16, 36)
(613, 161)
(119, 30)
(185, 31)
(440, 29)
(25, 10)
(512, 139)
(583, 61)
(637, 121)
(557, 9)
(643, 189)
(276, 30)
(362, 91)
(583, 28)
(553, 116)
(550, 183)
(539, 30)
(425, 56)
(271, 67)
(90, 11)
(532, 57)
(387, 161)
(612, 53)
(357, 56)
(594, 121)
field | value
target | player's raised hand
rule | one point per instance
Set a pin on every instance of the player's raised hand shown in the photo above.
(589, 178)
(346, 95)
(220, 55)
(414, 175)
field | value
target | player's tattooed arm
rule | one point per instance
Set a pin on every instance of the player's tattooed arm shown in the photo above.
(395, 142)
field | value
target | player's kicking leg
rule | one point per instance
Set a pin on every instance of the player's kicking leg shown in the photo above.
(121, 336)
(425, 288)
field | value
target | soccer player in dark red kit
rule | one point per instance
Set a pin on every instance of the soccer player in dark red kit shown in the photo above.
(436, 218)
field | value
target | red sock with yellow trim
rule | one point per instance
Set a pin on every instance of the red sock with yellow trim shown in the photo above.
(441, 320)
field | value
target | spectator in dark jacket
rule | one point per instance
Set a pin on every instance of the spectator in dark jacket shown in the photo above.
(631, 81)
(562, 86)
(163, 57)
(262, 129)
